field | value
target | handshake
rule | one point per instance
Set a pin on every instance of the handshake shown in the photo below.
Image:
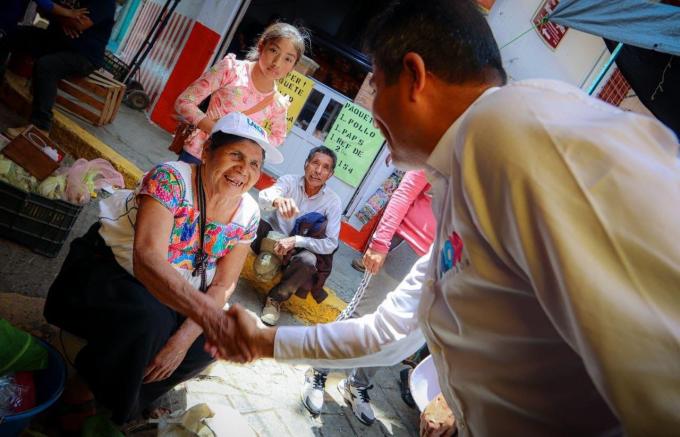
(237, 335)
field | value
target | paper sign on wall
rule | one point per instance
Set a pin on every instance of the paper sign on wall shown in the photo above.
(356, 142)
(551, 33)
(297, 88)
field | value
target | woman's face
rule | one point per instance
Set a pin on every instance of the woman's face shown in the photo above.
(277, 58)
(234, 169)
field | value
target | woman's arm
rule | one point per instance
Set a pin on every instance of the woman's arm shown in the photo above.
(223, 285)
(279, 126)
(150, 264)
(215, 78)
(412, 184)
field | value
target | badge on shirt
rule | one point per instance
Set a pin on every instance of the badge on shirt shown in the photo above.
(451, 254)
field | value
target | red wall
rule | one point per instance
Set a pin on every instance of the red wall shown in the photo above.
(195, 56)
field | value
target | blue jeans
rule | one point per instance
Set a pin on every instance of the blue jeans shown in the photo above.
(54, 61)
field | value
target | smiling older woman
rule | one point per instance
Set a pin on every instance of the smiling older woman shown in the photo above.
(129, 284)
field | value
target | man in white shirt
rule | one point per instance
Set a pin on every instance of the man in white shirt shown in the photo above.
(308, 211)
(550, 304)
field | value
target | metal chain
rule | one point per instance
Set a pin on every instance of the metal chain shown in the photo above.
(358, 295)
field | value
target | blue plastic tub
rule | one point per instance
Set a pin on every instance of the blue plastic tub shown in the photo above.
(49, 384)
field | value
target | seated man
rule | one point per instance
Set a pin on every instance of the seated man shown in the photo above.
(69, 47)
(309, 213)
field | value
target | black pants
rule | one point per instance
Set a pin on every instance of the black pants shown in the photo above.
(300, 268)
(125, 327)
(53, 62)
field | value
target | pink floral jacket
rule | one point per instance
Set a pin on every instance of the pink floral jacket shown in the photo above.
(231, 89)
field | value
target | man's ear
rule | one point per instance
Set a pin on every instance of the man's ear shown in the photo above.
(415, 71)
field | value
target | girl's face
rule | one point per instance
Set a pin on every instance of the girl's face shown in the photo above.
(235, 168)
(277, 58)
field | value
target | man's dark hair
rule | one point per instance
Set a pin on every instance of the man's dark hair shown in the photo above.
(326, 151)
(452, 37)
(221, 139)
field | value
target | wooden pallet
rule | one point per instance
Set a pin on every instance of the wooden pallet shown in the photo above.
(95, 98)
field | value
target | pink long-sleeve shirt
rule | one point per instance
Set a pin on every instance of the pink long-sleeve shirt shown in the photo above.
(231, 88)
(408, 214)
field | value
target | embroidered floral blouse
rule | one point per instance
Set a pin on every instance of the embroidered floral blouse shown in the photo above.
(231, 88)
(170, 185)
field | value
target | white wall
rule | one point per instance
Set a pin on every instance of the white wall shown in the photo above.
(576, 60)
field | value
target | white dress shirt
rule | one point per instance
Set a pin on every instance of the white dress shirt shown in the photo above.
(551, 304)
(325, 202)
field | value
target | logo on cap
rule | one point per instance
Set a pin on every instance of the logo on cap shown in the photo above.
(255, 126)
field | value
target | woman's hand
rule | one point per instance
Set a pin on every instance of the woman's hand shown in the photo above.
(437, 419)
(166, 361)
(373, 261)
(248, 339)
(206, 125)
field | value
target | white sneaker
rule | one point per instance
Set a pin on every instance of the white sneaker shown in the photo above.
(13, 132)
(312, 391)
(271, 312)
(358, 398)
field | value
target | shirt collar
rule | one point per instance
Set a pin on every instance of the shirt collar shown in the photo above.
(439, 159)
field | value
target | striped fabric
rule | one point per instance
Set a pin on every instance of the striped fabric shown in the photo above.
(160, 61)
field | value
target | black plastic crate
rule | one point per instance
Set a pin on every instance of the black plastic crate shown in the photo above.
(115, 66)
(34, 221)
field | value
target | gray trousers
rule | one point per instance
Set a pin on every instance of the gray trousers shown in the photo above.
(380, 285)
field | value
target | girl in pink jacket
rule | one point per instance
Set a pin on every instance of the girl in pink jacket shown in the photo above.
(239, 86)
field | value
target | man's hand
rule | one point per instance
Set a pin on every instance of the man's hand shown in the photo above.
(166, 361)
(70, 31)
(286, 207)
(284, 245)
(251, 338)
(437, 419)
(373, 261)
(220, 331)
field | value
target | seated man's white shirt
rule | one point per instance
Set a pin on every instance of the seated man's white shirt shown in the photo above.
(325, 202)
(551, 304)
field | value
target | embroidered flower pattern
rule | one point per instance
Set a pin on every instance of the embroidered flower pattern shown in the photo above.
(166, 185)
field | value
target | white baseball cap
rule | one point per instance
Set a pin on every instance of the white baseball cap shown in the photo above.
(241, 125)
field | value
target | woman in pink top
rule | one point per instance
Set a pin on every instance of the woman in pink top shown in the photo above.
(235, 85)
(408, 215)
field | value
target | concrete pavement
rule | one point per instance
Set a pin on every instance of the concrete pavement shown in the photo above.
(266, 393)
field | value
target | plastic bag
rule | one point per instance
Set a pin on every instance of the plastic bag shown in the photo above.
(53, 187)
(20, 350)
(266, 266)
(205, 420)
(84, 177)
(17, 393)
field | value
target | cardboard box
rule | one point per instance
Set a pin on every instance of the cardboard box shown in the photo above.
(27, 151)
